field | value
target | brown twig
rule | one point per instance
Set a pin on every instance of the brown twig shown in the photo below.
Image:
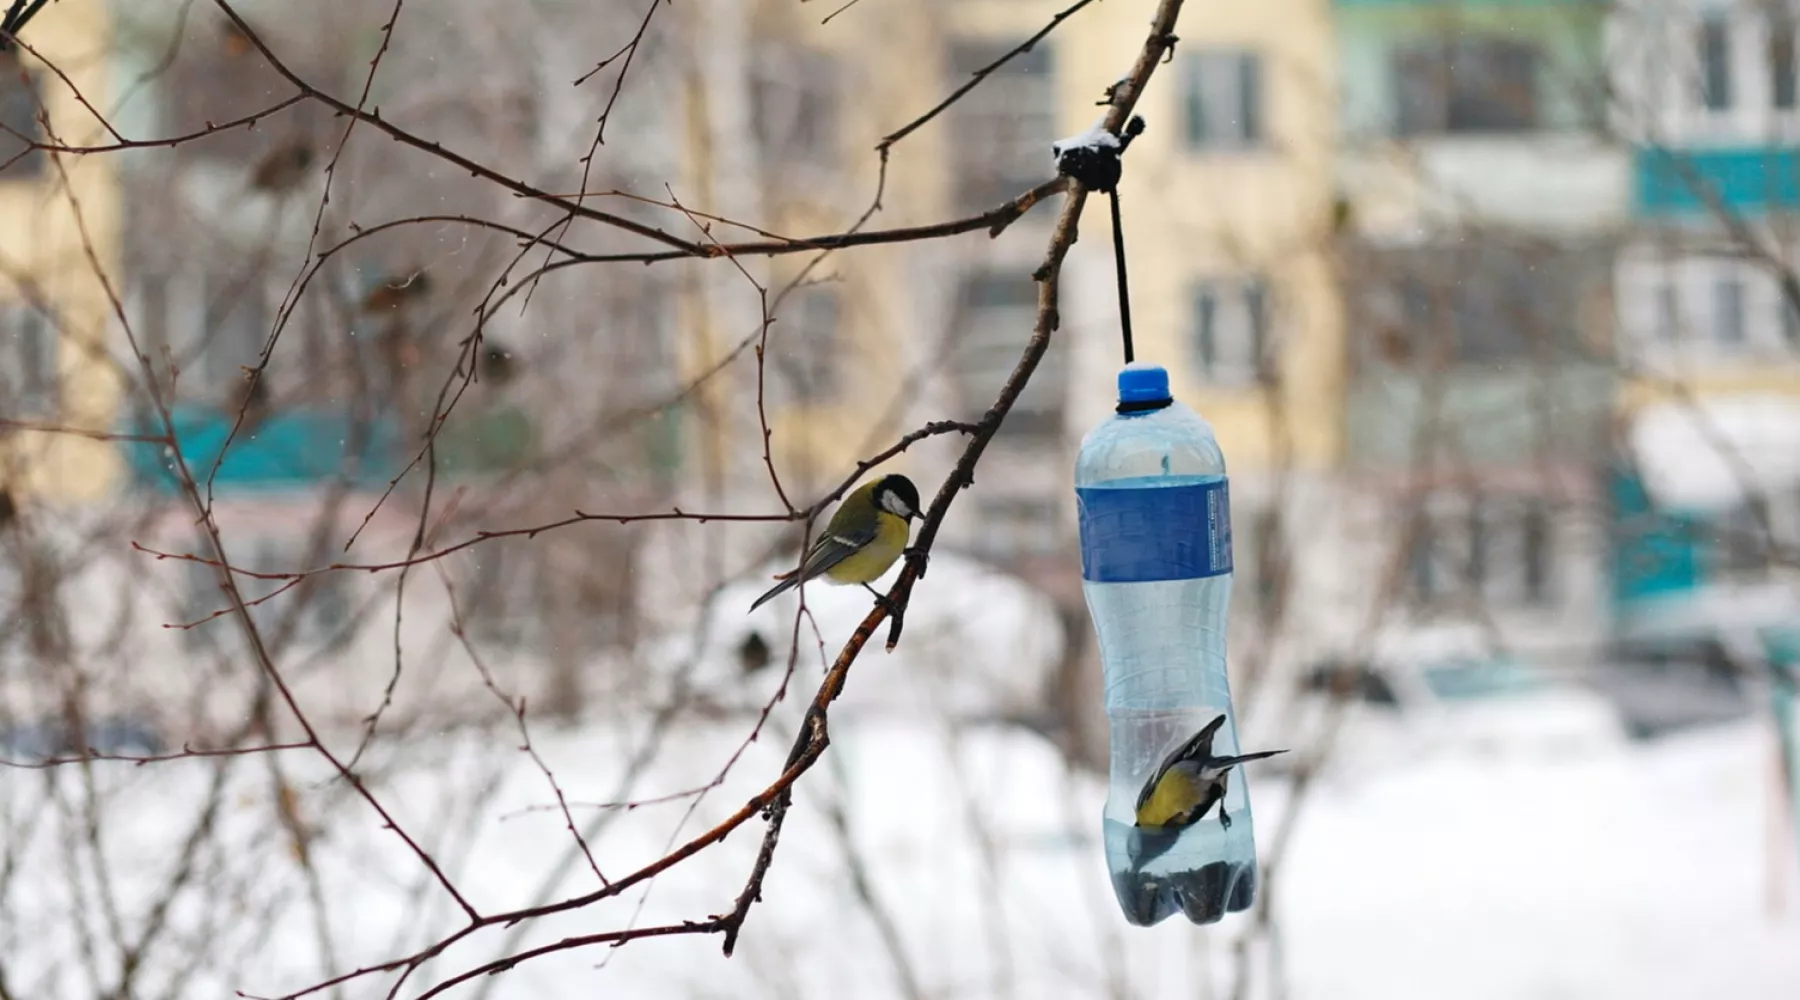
(981, 74)
(186, 753)
(374, 119)
(930, 430)
(813, 738)
(210, 529)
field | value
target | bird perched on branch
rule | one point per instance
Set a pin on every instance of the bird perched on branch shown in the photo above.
(867, 533)
(1189, 782)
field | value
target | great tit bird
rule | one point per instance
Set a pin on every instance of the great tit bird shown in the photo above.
(867, 533)
(1188, 782)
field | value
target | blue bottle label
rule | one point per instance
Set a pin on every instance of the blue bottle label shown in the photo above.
(1156, 533)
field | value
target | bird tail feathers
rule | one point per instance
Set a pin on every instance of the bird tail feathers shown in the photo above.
(1243, 758)
(788, 581)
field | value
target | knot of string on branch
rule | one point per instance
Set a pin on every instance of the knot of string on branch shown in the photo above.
(1093, 160)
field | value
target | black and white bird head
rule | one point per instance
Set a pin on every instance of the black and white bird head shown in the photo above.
(897, 495)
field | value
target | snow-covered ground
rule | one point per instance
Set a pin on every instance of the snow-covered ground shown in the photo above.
(1629, 871)
(1641, 872)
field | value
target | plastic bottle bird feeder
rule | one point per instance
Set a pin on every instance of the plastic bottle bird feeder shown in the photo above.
(1156, 567)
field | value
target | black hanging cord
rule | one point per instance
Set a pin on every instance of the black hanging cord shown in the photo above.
(1093, 162)
(1119, 266)
(17, 13)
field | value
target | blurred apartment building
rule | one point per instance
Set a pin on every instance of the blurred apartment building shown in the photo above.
(1226, 197)
(59, 223)
(876, 341)
(364, 333)
(1708, 483)
(1409, 259)
(1427, 267)
(1376, 241)
(1568, 227)
(1483, 200)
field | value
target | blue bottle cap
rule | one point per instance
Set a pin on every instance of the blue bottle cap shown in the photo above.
(1142, 382)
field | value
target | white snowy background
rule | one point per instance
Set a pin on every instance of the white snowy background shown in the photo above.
(931, 857)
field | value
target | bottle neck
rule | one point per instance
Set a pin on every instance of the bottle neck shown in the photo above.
(1136, 406)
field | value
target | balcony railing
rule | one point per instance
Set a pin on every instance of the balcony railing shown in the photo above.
(286, 450)
(302, 448)
(1701, 181)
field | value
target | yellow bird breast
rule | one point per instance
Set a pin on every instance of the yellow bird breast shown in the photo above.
(866, 564)
(1175, 794)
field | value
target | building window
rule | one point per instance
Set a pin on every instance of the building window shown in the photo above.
(1728, 311)
(1494, 549)
(1496, 309)
(1231, 329)
(329, 613)
(1478, 85)
(1668, 313)
(28, 362)
(997, 316)
(496, 603)
(235, 320)
(21, 100)
(1263, 559)
(1222, 95)
(319, 609)
(1535, 542)
(1475, 564)
(201, 596)
(1421, 558)
(1782, 70)
(208, 612)
(794, 106)
(811, 345)
(1704, 306)
(1004, 127)
(1715, 64)
(1479, 301)
(1509, 551)
(1740, 541)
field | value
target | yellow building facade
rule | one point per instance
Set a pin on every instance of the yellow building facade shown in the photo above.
(59, 232)
(1228, 210)
(1229, 189)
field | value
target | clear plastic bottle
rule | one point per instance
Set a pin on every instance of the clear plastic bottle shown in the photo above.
(1156, 569)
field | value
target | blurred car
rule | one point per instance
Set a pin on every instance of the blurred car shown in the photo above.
(1412, 700)
(1666, 687)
